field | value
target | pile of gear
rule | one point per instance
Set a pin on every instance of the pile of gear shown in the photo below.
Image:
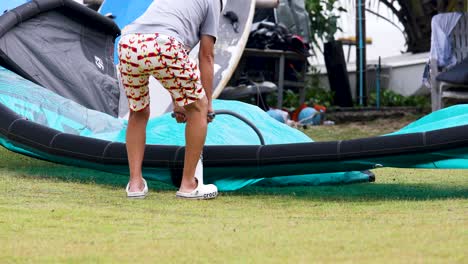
(303, 116)
(270, 35)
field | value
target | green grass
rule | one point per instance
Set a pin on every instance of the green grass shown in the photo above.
(51, 213)
(358, 129)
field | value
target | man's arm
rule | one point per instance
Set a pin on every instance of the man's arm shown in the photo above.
(206, 59)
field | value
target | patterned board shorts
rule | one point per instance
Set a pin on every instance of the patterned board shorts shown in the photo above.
(165, 58)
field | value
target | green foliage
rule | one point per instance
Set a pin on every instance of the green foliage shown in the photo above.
(390, 98)
(290, 99)
(319, 96)
(324, 15)
(314, 96)
(315, 93)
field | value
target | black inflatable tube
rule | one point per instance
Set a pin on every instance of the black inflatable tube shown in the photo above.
(69, 7)
(47, 140)
(243, 119)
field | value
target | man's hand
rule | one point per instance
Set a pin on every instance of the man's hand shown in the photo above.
(210, 113)
(180, 116)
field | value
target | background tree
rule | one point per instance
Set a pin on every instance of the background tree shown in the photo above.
(416, 15)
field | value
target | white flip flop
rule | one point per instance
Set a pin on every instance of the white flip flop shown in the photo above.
(139, 194)
(202, 192)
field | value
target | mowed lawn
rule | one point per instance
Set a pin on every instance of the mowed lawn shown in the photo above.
(51, 213)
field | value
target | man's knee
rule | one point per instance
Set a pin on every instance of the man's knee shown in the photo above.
(200, 105)
(141, 115)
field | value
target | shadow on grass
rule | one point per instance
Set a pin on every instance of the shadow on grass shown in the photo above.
(31, 168)
(352, 192)
(27, 167)
(364, 192)
(42, 170)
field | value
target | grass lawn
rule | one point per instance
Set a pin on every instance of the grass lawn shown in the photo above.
(53, 213)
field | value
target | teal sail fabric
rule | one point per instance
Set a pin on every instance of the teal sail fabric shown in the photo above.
(456, 115)
(49, 109)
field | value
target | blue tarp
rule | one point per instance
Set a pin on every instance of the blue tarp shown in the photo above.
(6, 5)
(124, 12)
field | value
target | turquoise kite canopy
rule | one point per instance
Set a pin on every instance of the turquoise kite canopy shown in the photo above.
(50, 110)
(53, 118)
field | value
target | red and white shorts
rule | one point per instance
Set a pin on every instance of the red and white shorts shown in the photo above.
(165, 58)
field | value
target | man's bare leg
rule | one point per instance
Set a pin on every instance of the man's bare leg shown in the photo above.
(195, 135)
(136, 139)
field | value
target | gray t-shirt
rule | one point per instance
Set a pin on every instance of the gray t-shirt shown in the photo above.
(185, 20)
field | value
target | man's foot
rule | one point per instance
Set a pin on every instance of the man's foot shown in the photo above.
(196, 189)
(134, 192)
(202, 192)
